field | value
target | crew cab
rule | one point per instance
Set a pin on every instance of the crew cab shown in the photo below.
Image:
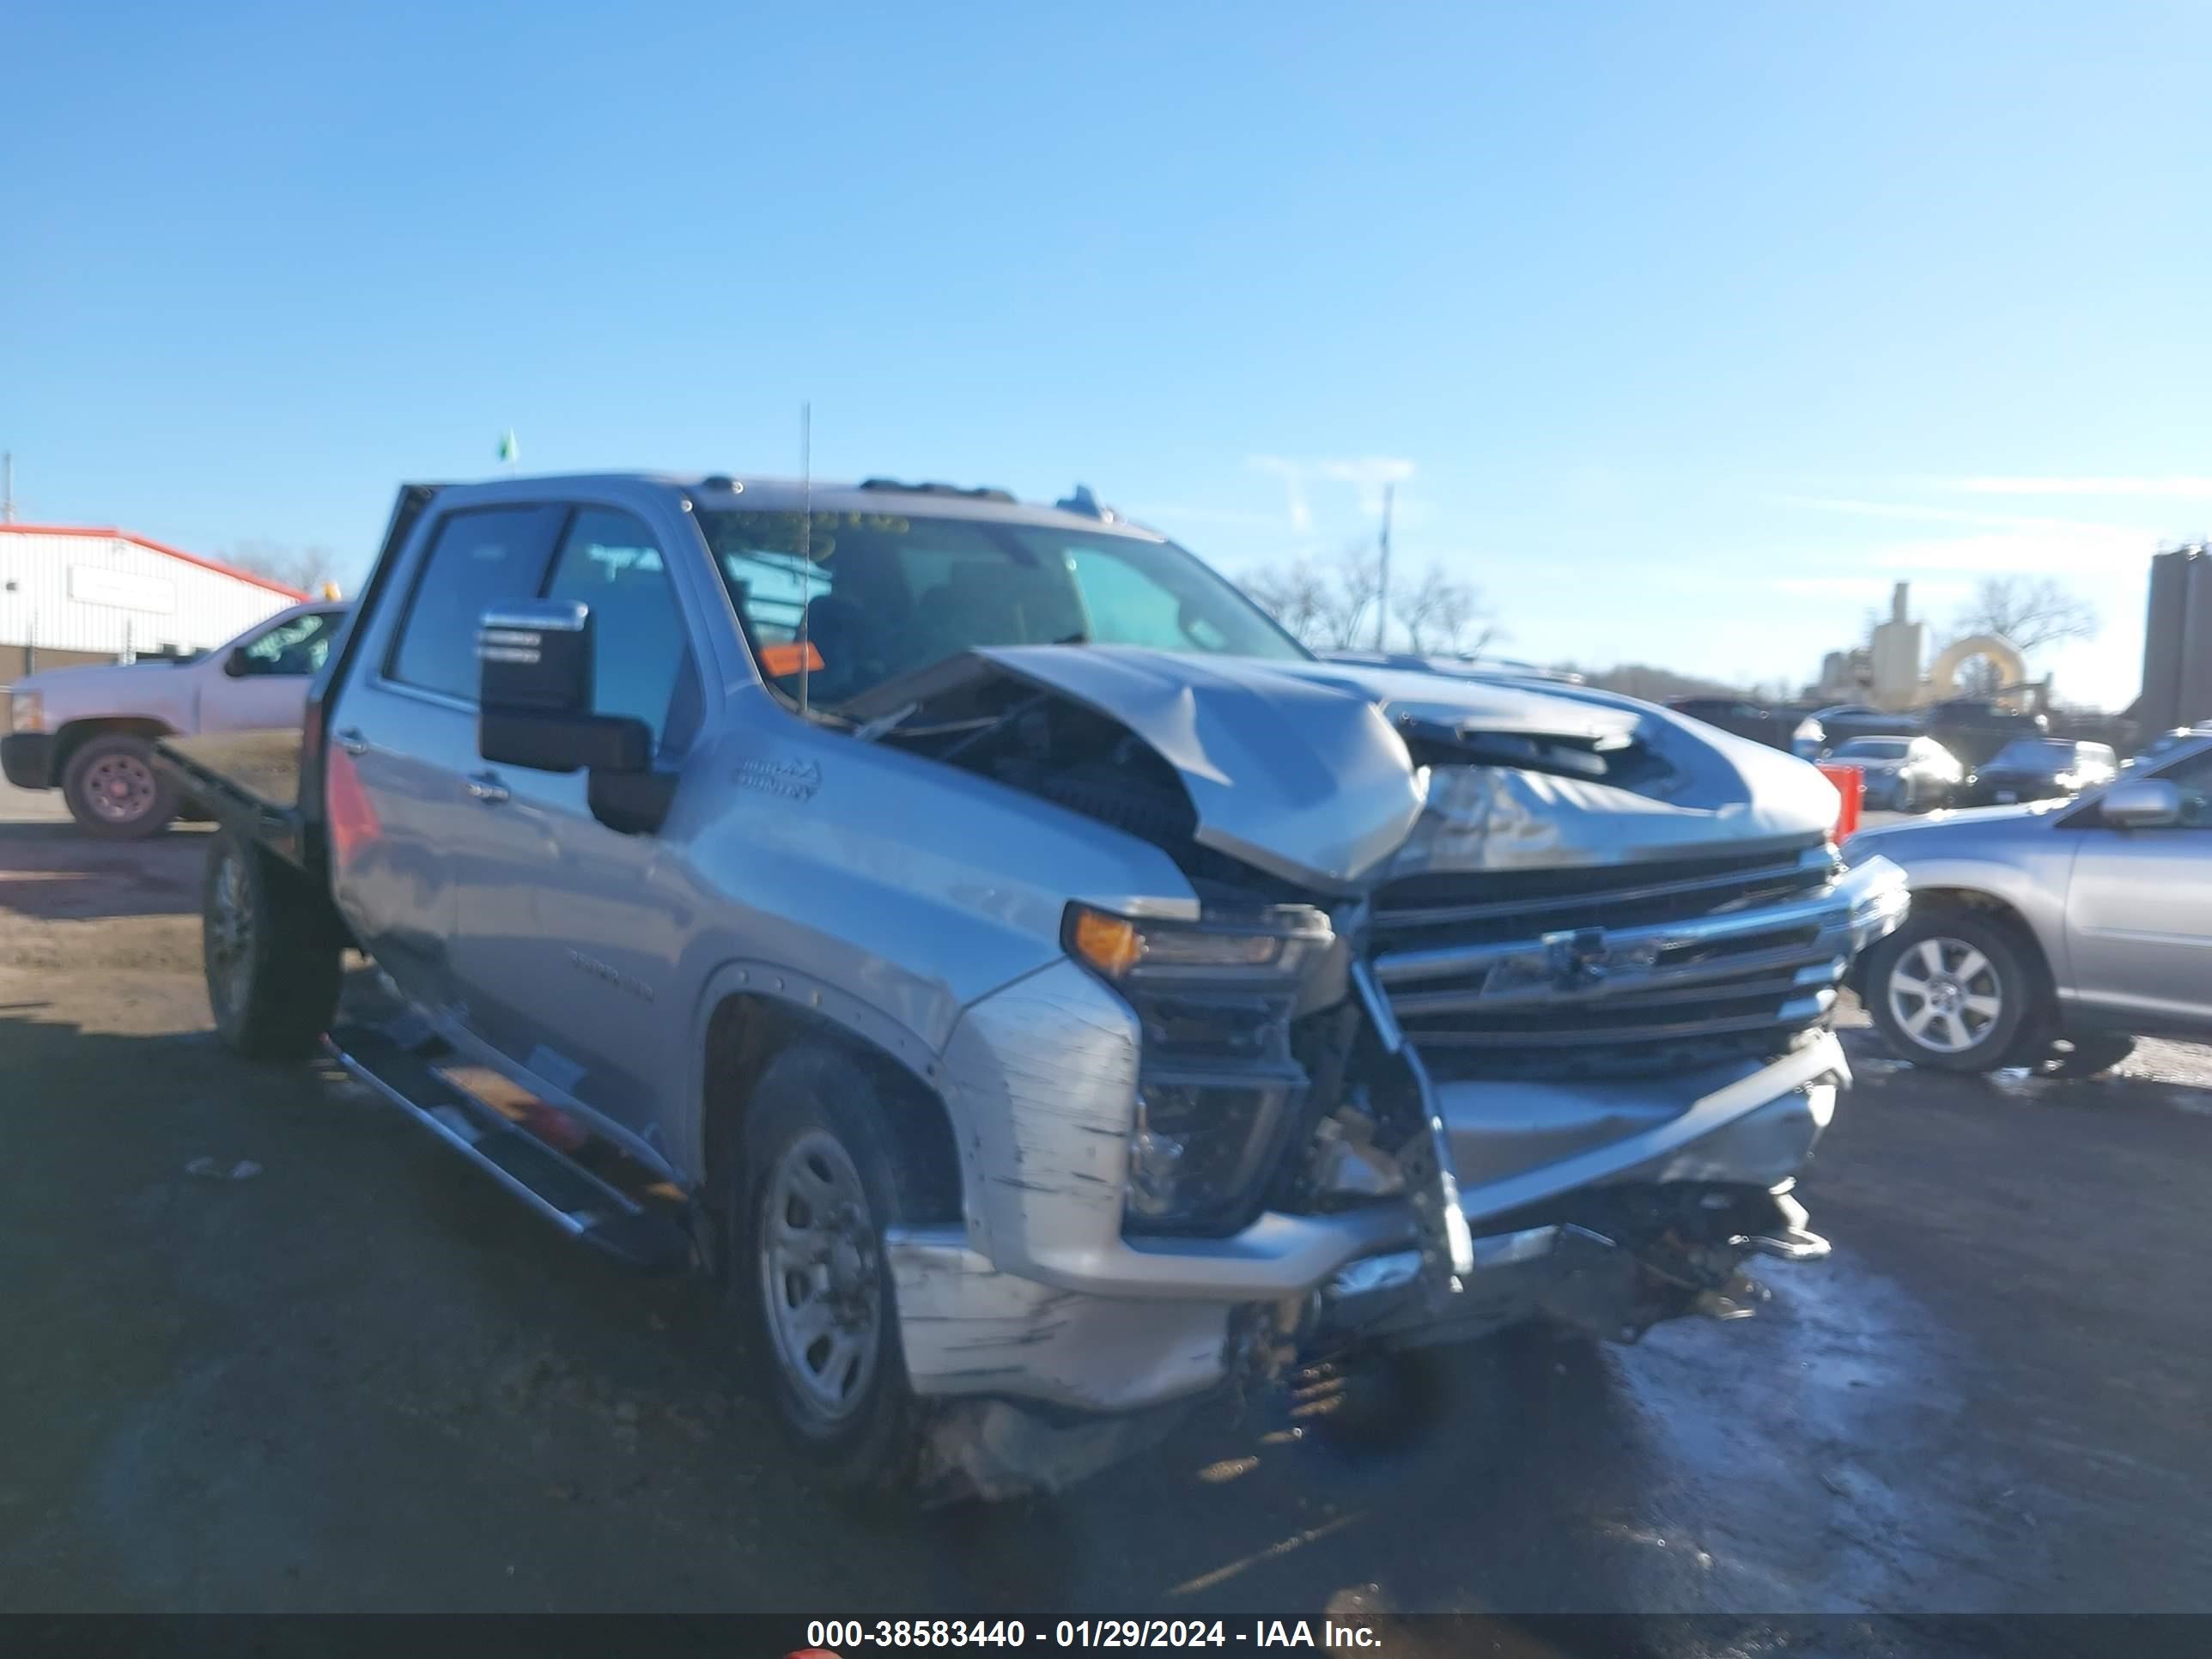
(1044, 992)
(89, 732)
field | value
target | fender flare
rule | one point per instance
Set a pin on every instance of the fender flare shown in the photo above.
(809, 998)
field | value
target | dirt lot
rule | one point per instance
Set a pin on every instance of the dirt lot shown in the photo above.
(361, 1379)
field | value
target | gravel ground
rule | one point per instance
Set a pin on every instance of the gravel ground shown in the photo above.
(358, 1378)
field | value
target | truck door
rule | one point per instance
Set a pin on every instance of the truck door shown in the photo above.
(273, 668)
(403, 741)
(570, 931)
(2139, 909)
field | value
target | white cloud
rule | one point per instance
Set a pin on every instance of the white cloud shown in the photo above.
(2087, 552)
(1366, 474)
(1294, 489)
(1916, 513)
(1221, 517)
(1868, 590)
(2175, 488)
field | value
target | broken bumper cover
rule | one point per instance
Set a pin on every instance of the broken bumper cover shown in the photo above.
(1040, 1298)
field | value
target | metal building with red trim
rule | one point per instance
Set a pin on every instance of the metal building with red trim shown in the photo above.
(72, 595)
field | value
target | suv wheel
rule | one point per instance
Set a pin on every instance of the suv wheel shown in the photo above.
(821, 1185)
(1952, 991)
(113, 791)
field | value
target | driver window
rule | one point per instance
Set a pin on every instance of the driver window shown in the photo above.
(611, 561)
(297, 646)
(2193, 777)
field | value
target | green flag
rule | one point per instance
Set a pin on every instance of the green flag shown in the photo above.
(508, 449)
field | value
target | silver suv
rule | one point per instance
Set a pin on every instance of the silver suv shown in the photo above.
(2054, 933)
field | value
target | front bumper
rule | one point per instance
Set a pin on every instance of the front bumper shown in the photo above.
(1039, 1298)
(27, 758)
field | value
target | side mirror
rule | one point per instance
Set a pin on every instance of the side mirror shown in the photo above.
(534, 668)
(237, 665)
(2140, 803)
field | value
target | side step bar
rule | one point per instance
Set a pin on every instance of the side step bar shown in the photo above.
(400, 1063)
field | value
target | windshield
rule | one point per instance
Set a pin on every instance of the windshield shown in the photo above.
(888, 594)
(2036, 752)
(1876, 747)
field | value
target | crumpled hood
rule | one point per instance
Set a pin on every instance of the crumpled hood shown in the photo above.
(1300, 770)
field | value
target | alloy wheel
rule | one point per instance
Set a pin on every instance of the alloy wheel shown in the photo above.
(1946, 995)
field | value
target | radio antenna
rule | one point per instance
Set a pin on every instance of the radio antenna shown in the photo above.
(805, 546)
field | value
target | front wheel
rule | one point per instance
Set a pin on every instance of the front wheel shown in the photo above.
(822, 1183)
(114, 792)
(1952, 991)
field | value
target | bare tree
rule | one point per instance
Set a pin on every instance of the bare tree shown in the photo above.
(2030, 613)
(1331, 606)
(1444, 617)
(304, 567)
(1296, 595)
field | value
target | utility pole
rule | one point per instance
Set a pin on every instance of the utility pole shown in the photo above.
(7, 488)
(1383, 573)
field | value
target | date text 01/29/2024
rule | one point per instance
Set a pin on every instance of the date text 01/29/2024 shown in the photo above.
(828, 1638)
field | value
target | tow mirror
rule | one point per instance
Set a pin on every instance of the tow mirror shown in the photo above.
(237, 665)
(2141, 804)
(534, 669)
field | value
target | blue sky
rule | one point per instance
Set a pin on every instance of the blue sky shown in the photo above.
(1686, 330)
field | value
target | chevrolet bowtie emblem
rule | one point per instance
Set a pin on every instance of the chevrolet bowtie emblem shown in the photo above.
(1576, 961)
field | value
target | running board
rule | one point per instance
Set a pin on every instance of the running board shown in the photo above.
(399, 1061)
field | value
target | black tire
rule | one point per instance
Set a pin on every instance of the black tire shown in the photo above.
(114, 790)
(869, 1445)
(2008, 977)
(2089, 1054)
(272, 955)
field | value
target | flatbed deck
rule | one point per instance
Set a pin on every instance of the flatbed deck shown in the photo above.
(250, 780)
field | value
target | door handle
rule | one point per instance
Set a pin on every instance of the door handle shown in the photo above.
(487, 788)
(352, 742)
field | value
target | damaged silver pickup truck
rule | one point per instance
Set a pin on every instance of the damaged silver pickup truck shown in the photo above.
(1041, 991)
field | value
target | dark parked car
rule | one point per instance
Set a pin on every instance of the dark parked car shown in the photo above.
(2164, 745)
(2042, 768)
(1846, 722)
(1778, 727)
(1975, 731)
(1904, 773)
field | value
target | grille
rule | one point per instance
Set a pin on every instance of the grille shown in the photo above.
(1613, 971)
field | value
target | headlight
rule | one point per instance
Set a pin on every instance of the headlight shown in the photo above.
(1266, 945)
(26, 712)
(1217, 1083)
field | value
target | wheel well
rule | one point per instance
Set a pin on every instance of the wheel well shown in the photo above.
(1995, 910)
(75, 735)
(747, 1031)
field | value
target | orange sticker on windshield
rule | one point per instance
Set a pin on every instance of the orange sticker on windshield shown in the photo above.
(777, 660)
